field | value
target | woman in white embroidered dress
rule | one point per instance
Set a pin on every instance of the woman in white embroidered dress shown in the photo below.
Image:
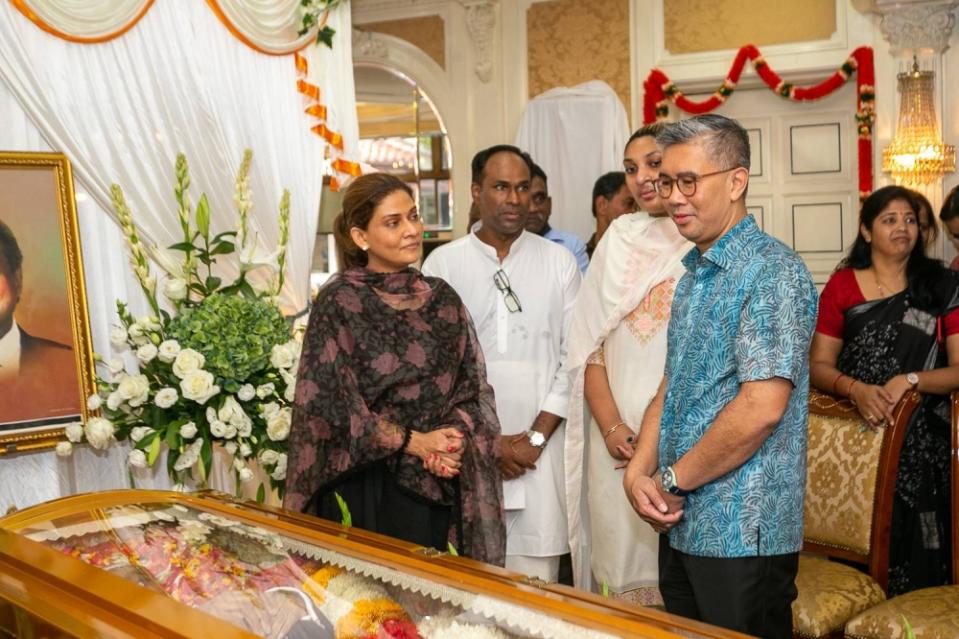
(617, 353)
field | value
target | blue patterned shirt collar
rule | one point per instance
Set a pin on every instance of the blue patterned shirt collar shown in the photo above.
(726, 248)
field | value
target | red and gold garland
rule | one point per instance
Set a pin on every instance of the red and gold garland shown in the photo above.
(658, 89)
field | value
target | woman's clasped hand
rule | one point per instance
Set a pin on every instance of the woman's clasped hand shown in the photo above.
(441, 450)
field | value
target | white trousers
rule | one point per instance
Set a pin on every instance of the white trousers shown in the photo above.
(545, 568)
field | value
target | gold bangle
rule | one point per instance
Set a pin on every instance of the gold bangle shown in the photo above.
(613, 428)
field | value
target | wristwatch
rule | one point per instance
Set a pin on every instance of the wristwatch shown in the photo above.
(667, 479)
(913, 379)
(536, 439)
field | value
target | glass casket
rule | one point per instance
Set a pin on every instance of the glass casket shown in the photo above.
(139, 563)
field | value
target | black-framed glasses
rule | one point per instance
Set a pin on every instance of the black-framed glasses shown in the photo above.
(509, 296)
(686, 183)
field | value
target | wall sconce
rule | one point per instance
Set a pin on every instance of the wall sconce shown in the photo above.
(916, 154)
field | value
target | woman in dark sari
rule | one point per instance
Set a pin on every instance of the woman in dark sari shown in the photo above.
(887, 324)
(392, 410)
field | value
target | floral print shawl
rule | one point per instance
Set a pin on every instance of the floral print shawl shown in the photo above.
(387, 352)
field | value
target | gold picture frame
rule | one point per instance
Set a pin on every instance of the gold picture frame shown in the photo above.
(43, 304)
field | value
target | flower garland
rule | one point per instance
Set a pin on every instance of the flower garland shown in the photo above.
(658, 88)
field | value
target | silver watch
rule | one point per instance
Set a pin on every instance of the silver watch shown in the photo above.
(536, 438)
(667, 480)
(913, 379)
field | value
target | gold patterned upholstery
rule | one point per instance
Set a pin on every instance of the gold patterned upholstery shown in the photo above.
(843, 460)
(933, 613)
(830, 593)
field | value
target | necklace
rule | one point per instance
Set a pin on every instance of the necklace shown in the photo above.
(875, 276)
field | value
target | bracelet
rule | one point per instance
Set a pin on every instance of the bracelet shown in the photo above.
(612, 429)
(849, 391)
(834, 382)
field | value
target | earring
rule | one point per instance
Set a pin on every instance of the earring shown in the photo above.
(364, 248)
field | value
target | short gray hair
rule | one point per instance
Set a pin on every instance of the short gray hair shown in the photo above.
(725, 140)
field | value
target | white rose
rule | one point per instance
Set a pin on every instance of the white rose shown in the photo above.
(136, 330)
(279, 474)
(137, 458)
(187, 361)
(139, 432)
(64, 449)
(230, 447)
(146, 353)
(198, 385)
(149, 323)
(290, 393)
(74, 432)
(188, 430)
(266, 410)
(94, 402)
(116, 366)
(118, 337)
(99, 432)
(265, 390)
(267, 457)
(114, 400)
(175, 289)
(281, 356)
(211, 414)
(245, 475)
(217, 428)
(246, 392)
(166, 397)
(168, 350)
(135, 389)
(229, 410)
(278, 425)
(245, 449)
(282, 460)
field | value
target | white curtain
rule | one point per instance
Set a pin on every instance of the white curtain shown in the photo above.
(86, 19)
(178, 81)
(576, 134)
(120, 111)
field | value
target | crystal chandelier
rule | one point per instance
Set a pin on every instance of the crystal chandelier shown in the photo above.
(916, 154)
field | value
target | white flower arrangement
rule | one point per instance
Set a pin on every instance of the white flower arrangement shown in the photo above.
(219, 369)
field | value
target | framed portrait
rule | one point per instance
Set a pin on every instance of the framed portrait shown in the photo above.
(46, 358)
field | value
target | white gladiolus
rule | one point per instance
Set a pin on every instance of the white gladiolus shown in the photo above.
(74, 432)
(186, 362)
(188, 430)
(168, 350)
(175, 289)
(244, 425)
(279, 473)
(114, 400)
(146, 353)
(166, 397)
(64, 449)
(94, 402)
(268, 409)
(189, 456)
(290, 393)
(118, 337)
(229, 410)
(99, 432)
(265, 390)
(135, 389)
(245, 475)
(267, 457)
(136, 330)
(246, 392)
(198, 385)
(238, 464)
(278, 424)
(230, 447)
(245, 450)
(116, 366)
(149, 323)
(137, 458)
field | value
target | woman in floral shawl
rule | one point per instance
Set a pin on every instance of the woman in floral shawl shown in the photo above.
(393, 411)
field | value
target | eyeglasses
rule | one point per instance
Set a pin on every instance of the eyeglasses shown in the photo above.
(509, 297)
(686, 183)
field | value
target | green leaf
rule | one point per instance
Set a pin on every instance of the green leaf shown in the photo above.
(147, 440)
(605, 589)
(182, 246)
(220, 236)
(346, 518)
(222, 248)
(247, 290)
(206, 458)
(451, 549)
(203, 216)
(212, 283)
(907, 629)
(261, 493)
(325, 36)
(154, 451)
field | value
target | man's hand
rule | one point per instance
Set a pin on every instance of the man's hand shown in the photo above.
(651, 504)
(517, 455)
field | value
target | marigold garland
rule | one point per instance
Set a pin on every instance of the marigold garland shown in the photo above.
(659, 90)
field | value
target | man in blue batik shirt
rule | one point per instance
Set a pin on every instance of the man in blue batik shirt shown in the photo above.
(720, 465)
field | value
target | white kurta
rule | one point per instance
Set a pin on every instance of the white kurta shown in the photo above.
(525, 352)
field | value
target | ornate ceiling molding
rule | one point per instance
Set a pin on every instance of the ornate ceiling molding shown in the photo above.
(914, 27)
(481, 22)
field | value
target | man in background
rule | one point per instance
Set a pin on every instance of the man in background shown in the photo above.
(519, 288)
(611, 198)
(37, 376)
(540, 208)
